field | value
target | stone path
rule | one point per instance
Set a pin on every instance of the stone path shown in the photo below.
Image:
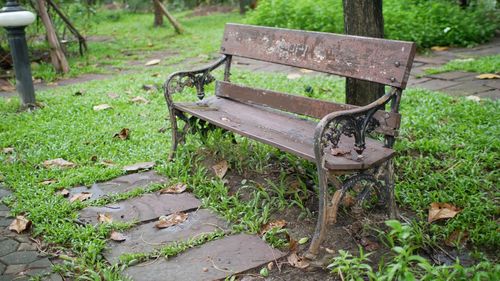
(213, 260)
(19, 258)
(217, 259)
(454, 83)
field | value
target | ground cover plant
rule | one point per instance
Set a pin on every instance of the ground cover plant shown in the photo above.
(447, 152)
(428, 23)
(486, 64)
(449, 156)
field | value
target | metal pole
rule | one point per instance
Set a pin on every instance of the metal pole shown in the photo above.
(22, 65)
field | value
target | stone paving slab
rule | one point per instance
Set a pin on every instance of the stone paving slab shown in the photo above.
(120, 185)
(146, 237)
(467, 88)
(142, 209)
(436, 84)
(494, 95)
(213, 260)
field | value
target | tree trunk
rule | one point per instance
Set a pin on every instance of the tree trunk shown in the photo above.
(56, 53)
(245, 4)
(363, 18)
(158, 14)
(178, 28)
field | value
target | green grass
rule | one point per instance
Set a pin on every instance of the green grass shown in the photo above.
(446, 155)
(132, 37)
(447, 152)
(486, 64)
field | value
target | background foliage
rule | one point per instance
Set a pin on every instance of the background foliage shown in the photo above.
(429, 23)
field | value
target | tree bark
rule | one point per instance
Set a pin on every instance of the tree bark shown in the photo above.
(56, 53)
(178, 28)
(245, 4)
(363, 18)
(158, 14)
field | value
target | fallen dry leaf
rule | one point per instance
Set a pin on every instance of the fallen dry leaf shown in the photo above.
(270, 265)
(297, 261)
(80, 197)
(439, 48)
(113, 95)
(139, 99)
(369, 245)
(220, 169)
(457, 237)
(488, 76)
(303, 70)
(8, 150)
(117, 236)
(64, 192)
(330, 251)
(107, 163)
(149, 88)
(171, 220)
(152, 62)
(473, 98)
(273, 224)
(139, 166)
(47, 182)
(58, 162)
(176, 188)
(339, 151)
(103, 106)
(439, 211)
(348, 200)
(104, 218)
(123, 134)
(293, 76)
(19, 224)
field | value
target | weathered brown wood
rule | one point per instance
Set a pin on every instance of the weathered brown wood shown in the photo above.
(379, 60)
(158, 21)
(282, 130)
(363, 18)
(56, 53)
(81, 40)
(389, 121)
(177, 27)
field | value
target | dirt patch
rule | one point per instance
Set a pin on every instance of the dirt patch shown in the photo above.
(208, 10)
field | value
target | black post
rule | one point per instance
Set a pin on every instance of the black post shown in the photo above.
(22, 65)
(19, 50)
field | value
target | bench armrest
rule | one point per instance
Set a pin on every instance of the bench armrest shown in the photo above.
(197, 78)
(355, 123)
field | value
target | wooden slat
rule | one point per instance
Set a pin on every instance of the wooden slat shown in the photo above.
(379, 60)
(282, 130)
(389, 122)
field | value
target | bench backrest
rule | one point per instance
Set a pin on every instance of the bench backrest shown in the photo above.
(379, 60)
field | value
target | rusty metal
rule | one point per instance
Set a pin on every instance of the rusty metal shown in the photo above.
(364, 58)
(277, 119)
(175, 83)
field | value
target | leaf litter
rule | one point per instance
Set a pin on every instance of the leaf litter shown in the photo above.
(171, 220)
(174, 189)
(20, 224)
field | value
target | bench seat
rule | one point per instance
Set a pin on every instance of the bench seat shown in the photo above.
(288, 132)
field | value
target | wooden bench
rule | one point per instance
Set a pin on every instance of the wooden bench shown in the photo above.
(338, 143)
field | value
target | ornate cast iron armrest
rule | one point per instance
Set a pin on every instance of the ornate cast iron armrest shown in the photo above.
(352, 123)
(197, 78)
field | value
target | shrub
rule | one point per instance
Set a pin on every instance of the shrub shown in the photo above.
(429, 23)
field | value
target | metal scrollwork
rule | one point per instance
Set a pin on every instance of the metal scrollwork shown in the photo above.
(175, 84)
